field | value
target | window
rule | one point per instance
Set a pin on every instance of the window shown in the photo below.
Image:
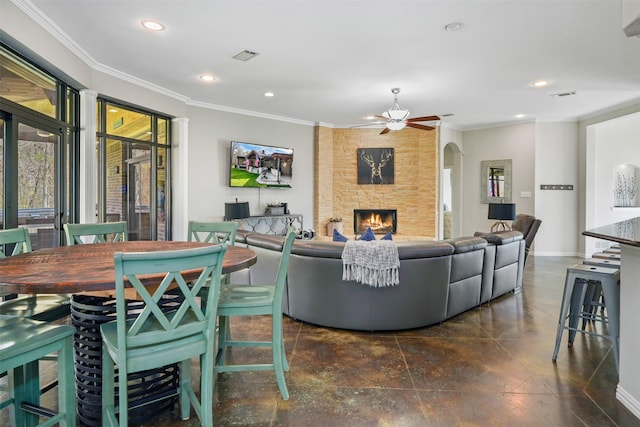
(133, 154)
(38, 145)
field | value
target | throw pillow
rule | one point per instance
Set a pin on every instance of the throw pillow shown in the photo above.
(387, 237)
(368, 235)
(338, 237)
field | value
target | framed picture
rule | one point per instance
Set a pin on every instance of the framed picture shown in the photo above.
(375, 166)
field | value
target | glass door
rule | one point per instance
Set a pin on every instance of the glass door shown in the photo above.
(38, 185)
(139, 195)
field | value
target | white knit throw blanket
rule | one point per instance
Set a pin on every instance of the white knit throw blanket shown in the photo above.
(374, 262)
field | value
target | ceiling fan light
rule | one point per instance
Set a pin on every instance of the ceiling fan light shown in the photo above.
(396, 125)
(398, 114)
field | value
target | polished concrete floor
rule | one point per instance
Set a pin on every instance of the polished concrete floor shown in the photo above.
(490, 366)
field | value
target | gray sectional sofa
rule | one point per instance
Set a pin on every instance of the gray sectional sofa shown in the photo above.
(438, 280)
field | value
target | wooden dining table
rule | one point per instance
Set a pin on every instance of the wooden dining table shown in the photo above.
(89, 268)
(87, 273)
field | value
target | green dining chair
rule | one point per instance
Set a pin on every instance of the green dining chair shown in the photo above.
(102, 232)
(152, 338)
(222, 232)
(42, 307)
(23, 342)
(242, 300)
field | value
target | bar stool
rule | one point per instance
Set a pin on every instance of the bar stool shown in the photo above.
(612, 251)
(24, 343)
(572, 309)
(606, 255)
(594, 295)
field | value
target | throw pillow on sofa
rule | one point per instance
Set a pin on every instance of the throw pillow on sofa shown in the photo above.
(339, 237)
(368, 235)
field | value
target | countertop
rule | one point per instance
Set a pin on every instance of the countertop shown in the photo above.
(626, 232)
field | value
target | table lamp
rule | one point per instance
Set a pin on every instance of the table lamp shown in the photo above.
(236, 210)
(502, 212)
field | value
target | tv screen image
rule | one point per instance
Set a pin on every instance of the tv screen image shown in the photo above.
(260, 166)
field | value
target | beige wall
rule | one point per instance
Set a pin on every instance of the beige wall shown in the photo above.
(414, 192)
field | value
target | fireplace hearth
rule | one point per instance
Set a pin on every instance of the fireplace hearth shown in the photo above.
(381, 221)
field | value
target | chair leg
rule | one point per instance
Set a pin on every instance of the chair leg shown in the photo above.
(31, 390)
(207, 385)
(66, 386)
(564, 309)
(17, 393)
(279, 358)
(223, 338)
(185, 383)
(108, 394)
(577, 301)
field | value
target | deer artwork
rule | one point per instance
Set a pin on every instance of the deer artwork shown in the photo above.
(376, 167)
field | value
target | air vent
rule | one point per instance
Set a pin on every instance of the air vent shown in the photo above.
(446, 115)
(244, 55)
(558, 95)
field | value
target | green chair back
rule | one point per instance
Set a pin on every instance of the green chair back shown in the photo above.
(283, 269)
(24, 343)
(77, 234)
(154, 336)
(17, 236)
(241, 300)
(37, 307)
(213, 232)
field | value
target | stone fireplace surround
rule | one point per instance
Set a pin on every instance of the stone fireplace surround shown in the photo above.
(414, 193)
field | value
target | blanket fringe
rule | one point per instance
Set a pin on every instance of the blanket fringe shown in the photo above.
(371, 276)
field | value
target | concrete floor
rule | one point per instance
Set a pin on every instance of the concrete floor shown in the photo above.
(490, 366)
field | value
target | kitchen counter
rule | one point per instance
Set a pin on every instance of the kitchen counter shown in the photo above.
(627, 234)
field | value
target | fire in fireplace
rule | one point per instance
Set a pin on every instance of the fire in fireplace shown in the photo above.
(381, 221)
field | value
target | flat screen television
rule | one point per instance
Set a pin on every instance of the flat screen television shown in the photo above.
(260, 166)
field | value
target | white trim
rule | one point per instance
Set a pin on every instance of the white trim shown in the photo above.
(248, 112)
(628, 401)
(179, 177)
(88, 162)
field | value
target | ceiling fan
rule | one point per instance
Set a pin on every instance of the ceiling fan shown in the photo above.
(397, 117)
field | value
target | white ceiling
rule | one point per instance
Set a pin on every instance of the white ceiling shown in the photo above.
(335, 62)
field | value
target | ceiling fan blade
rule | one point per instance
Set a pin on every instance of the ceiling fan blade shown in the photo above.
(417, 126)
(385, 130)
(423, 119)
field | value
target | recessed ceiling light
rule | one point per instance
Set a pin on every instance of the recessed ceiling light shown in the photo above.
(540, 83)
(207, 78)
(269, 94)
(152, 25)
(519, 116)
(454, 26)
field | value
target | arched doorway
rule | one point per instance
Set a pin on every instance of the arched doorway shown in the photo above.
(451, 191)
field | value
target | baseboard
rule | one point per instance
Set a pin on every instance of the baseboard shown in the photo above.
(548, 253)
(631, 403)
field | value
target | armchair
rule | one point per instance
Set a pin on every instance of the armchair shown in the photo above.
(528, 225)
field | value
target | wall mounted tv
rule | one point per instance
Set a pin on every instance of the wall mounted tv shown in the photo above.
(260, 166)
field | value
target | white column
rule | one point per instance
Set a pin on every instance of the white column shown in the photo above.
(88, 162)
(179, 177)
